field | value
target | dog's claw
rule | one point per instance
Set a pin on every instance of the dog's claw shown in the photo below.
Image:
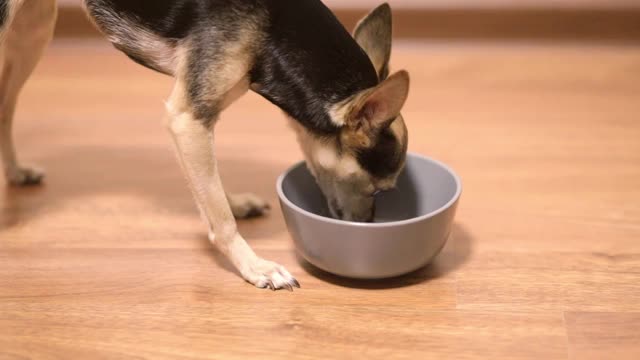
(266, 274)
(296, 283)
(291, 280)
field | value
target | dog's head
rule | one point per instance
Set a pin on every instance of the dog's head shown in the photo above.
(369, 151)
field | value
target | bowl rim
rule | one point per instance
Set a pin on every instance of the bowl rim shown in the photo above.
(414, 220)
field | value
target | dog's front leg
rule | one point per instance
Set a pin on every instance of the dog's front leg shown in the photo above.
(195, 146)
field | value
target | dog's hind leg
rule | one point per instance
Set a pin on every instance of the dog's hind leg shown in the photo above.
(247, 205)
(26, 33)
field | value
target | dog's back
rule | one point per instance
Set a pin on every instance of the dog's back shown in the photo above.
(151, 32)
(299, 42)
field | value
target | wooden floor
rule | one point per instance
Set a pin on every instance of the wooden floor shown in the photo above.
(109, 259)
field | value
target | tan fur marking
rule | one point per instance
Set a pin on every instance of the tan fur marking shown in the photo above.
(326, 156)
(348, 166)
(340, 112)
(229, 76)
(398, 128)
(137, 40)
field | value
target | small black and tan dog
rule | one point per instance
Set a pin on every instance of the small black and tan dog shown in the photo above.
(343, 105)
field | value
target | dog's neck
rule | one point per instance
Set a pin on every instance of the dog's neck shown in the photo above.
(310, 63)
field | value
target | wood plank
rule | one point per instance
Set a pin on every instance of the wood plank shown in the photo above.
(213, 331)
(509, 281)
(603, 335)
(66, 277)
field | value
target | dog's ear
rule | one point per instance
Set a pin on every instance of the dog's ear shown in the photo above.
(374, 35)
(377, 108)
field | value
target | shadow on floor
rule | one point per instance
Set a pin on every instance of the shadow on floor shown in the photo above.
(456, 253)
(149, 173)
(153, 174)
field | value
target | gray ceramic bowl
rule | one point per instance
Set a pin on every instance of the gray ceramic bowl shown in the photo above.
(412, 223)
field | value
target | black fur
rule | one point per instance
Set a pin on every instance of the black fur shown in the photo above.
(170, 19)
(307, 60)
(4, 12)
(385, 158)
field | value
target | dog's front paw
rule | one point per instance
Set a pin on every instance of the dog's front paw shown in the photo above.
(25, 176)
(246, 206)
(269, 275)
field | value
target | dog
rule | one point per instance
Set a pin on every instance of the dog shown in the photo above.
(335, 88)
